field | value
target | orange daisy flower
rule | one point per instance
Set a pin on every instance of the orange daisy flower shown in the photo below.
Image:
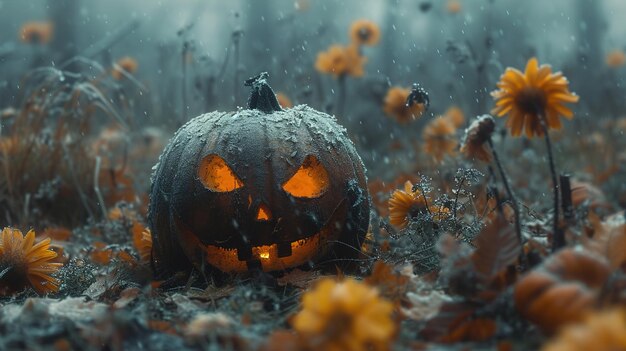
(125, 64)
(341, 60)
(395, 105)
(364, 32)
(527, 97)
(455, 115)
(602, 331)
(454, 6)
(406, 203)
(36, 32)
(25, 263)
(302, 5)
(439, 138)
(346, 315)
(616, 58)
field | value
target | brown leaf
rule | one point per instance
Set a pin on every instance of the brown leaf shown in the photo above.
(616, 250)
(101, 254)
(456, 322)
(614, 290)
(449, 313)
(497, 249)
(57, 233)
(609, 238)
(210, 293)
(391, 284)
(587, 192)
(142, 241)
(457, 269)
(162, 326)
(562, 290)
(479, 329)
(283, 340)
(299, 278)
(127, 296)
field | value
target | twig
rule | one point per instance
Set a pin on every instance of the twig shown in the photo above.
(25, 210)
(81, 194)
(514, 204)
(566, 198)
(96, 188)
(109, 41)
(456, 197)
(423, 193)
(558, 237)
(222, 71)
(130, 77)
(496, 194)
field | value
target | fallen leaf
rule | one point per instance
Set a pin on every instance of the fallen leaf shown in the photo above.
(497, 247)
(456, 322)
(126, 296)
(299, 278)
(391, 284)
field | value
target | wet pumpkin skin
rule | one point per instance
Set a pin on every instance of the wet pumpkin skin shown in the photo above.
(258, 188)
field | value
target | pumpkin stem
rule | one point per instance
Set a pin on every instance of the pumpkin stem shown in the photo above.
(262, 96)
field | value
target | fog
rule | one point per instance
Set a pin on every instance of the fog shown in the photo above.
(456, 57)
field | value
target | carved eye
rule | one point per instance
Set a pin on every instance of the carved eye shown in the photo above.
(215, 174)
(310, 181)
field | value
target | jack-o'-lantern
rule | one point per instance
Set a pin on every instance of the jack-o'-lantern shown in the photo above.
(258, 188)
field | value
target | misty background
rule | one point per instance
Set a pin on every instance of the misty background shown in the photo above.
(193, 55)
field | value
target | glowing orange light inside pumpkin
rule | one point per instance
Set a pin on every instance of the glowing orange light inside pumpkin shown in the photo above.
(264, 213)
(215, 174)
(302, 251)
(310, 181)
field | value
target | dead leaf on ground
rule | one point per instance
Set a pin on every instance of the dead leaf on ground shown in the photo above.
(299, 278)
(390, 283)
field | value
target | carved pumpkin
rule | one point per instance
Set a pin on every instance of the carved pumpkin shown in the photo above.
(562, 290)
(258, 188)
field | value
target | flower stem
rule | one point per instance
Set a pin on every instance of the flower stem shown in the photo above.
(507, 187)
(558, 237)
(492, 180)
(566, 198)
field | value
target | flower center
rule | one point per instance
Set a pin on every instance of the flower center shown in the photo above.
(337, 61)
(338, 325)
(416, 210)
(13, 280)
(531, 101)
(364, 34)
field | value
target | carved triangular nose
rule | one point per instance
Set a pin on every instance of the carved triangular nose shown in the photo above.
(263, 213)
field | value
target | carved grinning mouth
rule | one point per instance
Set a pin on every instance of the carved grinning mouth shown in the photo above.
(267, 257)
(272, 257)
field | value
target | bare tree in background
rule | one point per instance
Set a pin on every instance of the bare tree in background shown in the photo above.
(64, 16)
(258, 41)
(591, 28)
(389, 34)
